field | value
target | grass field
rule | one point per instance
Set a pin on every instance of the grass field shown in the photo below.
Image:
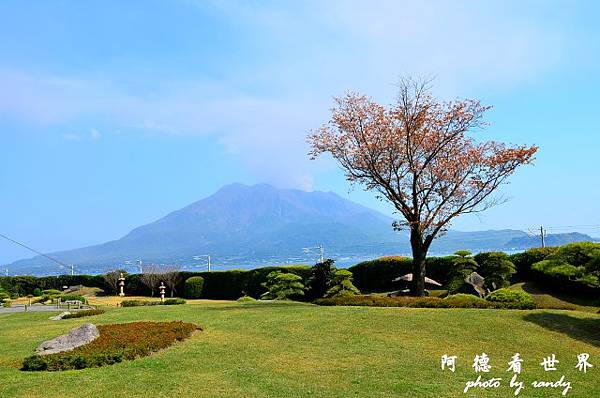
(273, 349)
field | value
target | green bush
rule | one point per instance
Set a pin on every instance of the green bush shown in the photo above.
(246, 299)
(83, 313)
(283, 286)
(146, 303)
(572, 268)
(341, 285)
(37, 292)
(496, 268)
(174, 301)
(512, 297)
(138, 303)
(193, 287)
(524, 261)
(321, 276)
(577, 254)
(420, 302)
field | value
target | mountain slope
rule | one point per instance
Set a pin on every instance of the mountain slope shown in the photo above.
(239, 220)
(243, 225)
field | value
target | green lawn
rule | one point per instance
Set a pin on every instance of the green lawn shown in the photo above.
(301, 350)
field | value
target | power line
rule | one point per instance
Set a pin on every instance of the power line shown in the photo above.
(33, 250)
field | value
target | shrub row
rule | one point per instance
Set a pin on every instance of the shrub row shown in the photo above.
(144, 303)
(116, 343)
(455, 301)
(377, 275)
(83, 313)
(25, 285)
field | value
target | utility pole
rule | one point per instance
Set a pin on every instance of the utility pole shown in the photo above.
(72, 269)
(543, 236)
(6, 271)
(203, 255)
(320, 247)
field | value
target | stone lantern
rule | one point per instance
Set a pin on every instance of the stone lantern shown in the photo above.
(121, 285)
(162, 288)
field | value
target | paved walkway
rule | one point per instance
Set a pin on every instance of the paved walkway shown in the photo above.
(32, 308)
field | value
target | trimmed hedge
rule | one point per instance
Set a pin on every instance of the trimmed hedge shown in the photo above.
(116, 343)
(174, 301)
(420, 302)
(146, 303)
(193, 287)
(25, 285)
(377, 275)
(83, 313)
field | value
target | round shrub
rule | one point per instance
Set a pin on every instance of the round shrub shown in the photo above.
(246, 299)
(511, 296)
(193, 287)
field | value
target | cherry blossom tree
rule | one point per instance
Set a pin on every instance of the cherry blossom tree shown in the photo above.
(419, 154)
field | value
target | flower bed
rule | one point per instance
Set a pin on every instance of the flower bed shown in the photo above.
(117, 343)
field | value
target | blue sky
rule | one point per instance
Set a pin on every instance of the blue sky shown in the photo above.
(114, 113)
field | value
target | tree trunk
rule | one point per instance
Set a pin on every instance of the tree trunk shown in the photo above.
(419, 252)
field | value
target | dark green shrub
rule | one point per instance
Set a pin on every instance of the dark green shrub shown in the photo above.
(341, 285)
(83, 313)
(193, 287)
(496, 268)
(174, 301)
(524, 260)
(572, 268)
(283, 286)
(37, 292)
(377, 275)
(577, 254)
(321, 275)
(138, 303)
(511, 296)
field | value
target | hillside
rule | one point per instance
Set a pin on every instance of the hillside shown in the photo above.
(242, 225)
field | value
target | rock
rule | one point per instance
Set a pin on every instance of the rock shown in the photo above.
(59, 316)
(477, 282)
(84, 334)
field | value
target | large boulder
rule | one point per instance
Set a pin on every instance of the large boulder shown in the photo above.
(82, 335)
